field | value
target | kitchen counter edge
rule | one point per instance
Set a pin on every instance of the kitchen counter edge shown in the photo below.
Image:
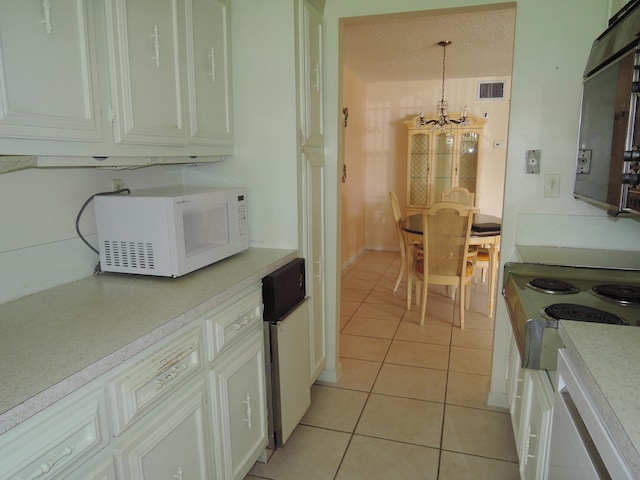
(606, 357)
(192, 296)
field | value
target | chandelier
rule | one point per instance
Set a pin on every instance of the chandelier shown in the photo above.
(443, 119)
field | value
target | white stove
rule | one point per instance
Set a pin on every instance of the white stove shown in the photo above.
(538, 296)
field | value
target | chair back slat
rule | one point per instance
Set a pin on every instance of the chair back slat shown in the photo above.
(446, 234)
(459, 195)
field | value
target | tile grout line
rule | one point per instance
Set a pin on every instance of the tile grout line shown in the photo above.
(364, 406)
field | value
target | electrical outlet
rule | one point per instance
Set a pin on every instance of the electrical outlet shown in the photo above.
(584, 161)
(117, 184)
(552, 185)
(532, 161)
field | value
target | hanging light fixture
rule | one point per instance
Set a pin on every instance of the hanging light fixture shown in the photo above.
(443, 119)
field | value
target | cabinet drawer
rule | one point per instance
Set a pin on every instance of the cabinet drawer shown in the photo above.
(146, 380)
(56, 441)
(230, 321)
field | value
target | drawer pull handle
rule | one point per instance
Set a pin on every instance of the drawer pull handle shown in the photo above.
(173, 373)
(47, 466)
(241, 324)
(248, 420)
(156, 46)
(46, 8)
(212, 56)
(178, 476)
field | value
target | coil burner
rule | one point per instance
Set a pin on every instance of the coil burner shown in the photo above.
(552, 285)
(622, 294)
(581, 313)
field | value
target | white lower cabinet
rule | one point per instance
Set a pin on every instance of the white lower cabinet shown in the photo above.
(530, 397)
(237, 382)
(535, 428)
(171, 443)
(97, 469)
(57, 441)
(161, 414)
(515, 387)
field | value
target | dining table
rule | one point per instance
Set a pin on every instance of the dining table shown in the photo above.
(485, 233)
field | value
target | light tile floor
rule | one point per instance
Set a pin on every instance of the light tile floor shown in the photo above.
(411, 403)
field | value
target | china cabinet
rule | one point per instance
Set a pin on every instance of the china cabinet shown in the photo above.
(440, 159)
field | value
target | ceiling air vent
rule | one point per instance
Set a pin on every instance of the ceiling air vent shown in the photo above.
(490, 90)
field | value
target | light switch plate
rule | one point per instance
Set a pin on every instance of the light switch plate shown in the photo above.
(532, 159)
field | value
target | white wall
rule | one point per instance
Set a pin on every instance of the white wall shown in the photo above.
(353, 239)
(264, 109)
(39, 248)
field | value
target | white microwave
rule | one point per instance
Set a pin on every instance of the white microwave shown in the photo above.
(170, 231)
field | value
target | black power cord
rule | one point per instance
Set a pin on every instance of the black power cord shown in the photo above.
(84, 206)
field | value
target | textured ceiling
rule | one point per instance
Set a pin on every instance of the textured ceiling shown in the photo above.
(389, 48)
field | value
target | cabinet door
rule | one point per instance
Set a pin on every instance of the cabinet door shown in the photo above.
(171, 443)
(515, 387)
(311, 61)
(97, 469)
(535, 435)
(144, 57)
(314, 252)
(208, 72)
(443, 174)
(48, 86)
(418, 194)
(466, 171)
(239, 407)
(57, 440)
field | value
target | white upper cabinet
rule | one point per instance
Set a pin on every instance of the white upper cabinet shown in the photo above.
(144, 64)
(311, 52)
(169, 64)
(208, 72)
(48, 86)
(115, 79)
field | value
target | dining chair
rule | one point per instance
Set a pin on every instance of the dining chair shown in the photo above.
(459, 195)
(464, 196)
(402, 238)
(446, 260)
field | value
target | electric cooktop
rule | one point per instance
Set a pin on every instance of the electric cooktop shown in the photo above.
(546, 294)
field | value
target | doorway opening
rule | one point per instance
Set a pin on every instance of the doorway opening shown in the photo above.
(391, 71)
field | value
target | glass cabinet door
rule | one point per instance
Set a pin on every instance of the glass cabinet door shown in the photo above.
(468, 158)
(418, 169)
(443, 163)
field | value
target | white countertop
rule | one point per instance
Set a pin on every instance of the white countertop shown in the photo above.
(607, 358)
(53, 342)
